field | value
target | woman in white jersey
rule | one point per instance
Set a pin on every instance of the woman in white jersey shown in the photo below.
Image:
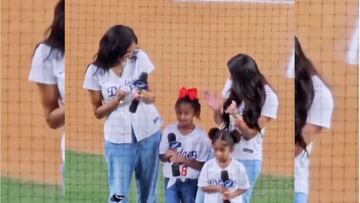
(313, 109)
(131, 137)
(249, 103)
(48, 72)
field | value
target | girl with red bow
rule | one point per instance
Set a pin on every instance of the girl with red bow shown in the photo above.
(184, 148)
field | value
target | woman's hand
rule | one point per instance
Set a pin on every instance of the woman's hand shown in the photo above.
(215, 103)
(212, 100)
(144, 95)
(120, 95)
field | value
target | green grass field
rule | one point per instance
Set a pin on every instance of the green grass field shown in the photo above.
(86, 182)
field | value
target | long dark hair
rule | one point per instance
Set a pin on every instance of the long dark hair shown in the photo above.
(56, 31)
(304, 91)
(247, 86)
(114, 45)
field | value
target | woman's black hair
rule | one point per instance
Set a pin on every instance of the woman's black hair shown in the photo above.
(304, 91)
(113, 46)
(56, 31)
(193, 102)
(230, 137)
(247, 86)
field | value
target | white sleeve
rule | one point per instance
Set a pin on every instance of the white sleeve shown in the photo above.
(203, 179)
(41, 69)
(322, 106)
(164, 143)
(91, 81)
(271, 103)
(205, 148)
(143, 62)
(226, 89)
(243, 181)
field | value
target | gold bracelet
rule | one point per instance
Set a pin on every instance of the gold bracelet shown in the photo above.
(236, 116)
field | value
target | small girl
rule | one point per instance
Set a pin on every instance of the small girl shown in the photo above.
(184, 148)
(223, 179)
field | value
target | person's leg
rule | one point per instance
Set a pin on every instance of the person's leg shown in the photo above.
(301, 197)
(188, 191)
(171, 194)
(120, 162)
(253, 171)
(147, 168)
(199, 196)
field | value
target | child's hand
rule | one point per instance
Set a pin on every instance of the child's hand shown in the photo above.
(177, 159)
(228, 195)
(170, 153)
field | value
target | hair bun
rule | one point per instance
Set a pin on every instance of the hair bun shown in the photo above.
(213, 132)
(235, 135)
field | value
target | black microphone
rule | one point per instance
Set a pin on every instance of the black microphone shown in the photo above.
(117, 198)
(175, 168)
(140, 84)
(224, 178)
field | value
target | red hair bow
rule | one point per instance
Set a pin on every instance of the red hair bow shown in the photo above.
(191, 93)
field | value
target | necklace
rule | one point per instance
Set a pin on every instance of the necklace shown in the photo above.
(118, 69)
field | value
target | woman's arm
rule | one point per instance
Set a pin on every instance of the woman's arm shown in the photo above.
(247, 132)
(101, 109)
(53, 112)
(310, 132)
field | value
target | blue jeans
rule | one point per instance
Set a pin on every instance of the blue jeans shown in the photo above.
(301, 197)
(253, 171)
(141, 157)
(183, 192)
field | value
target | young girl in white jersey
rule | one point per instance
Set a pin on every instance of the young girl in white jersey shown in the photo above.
(48, 72)
(184, 148)
(313, 110)
(223, 179)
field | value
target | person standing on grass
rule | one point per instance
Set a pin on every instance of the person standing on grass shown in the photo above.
(132, 135)
(48, 72)
(184, 148)
(313, 110)
(248, 105)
